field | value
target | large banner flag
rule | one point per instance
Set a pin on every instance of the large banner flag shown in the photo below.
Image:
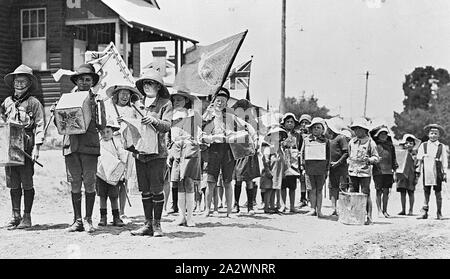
(206, 67)
(110, 67)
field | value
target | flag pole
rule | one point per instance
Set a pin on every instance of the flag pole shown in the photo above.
(283, 58)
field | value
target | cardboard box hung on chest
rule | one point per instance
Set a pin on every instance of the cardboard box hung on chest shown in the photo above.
(73, 113)
(11, 144)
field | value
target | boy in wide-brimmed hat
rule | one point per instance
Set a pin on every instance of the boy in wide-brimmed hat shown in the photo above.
(112, 156)
(219, 124)
(338, 159)
(122, 97)
(151, 168)
(316, 163)
(363, 154)
(81, 151)
(184, 152)
(24, 109)
(383, 171)
(407, 180)
(432, 156)
(291, 147)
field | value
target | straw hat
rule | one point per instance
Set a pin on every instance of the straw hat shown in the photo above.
(434, 126)
(155, 76)
(85, 69)
(360, 122)
(135, 94)
(287, 115)
(21, 70)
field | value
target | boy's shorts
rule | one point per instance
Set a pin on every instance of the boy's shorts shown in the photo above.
(383, 181)
(220, 158)
(107, 190)
(289, 182)
(357, 182)
(436, 188)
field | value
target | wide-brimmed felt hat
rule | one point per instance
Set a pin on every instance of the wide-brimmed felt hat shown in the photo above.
(135, 94)
(85, 69)
(185, 93)
(21, 70)
(335, 125)
(306, 117)
(434, 126)
(154, 75)
(287, 115)
(360, 122)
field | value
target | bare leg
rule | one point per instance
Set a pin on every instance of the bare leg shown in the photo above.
(210, 192)
(229, 197)
(403, 202)
(385, 201)
(283, 199)
(378, 201)
(292, 200)
(411, 202)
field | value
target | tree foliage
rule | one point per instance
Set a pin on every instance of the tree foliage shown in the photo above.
(418, 86)
(427, 97)
(308, 105)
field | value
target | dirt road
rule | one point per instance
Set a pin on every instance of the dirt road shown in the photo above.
(258, 236)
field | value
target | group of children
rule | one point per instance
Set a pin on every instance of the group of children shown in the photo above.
(155, 139)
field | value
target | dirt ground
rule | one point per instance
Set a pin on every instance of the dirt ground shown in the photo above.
(288, 236)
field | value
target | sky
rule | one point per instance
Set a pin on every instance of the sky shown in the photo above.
(329, 46)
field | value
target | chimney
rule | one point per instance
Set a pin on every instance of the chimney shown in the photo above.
(159, 60)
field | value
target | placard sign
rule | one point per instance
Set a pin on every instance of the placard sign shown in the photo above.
(315, 151)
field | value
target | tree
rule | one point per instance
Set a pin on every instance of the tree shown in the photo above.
(424, 102)
(420, 85)
(308, 105)
(411, 122)
(441, 110)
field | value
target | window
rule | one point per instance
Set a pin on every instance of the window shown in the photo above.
(33, 23)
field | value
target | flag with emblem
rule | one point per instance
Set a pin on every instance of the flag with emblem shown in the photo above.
(206, 67)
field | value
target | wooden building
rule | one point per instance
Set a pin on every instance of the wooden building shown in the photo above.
(51, 34)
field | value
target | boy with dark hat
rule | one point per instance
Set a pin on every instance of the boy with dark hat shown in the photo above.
(220, 123)
(26, 110)
(433, 164)
(81, 151)
(151, 168)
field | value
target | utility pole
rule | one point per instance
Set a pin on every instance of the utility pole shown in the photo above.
(365, 98)
(283, 58)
